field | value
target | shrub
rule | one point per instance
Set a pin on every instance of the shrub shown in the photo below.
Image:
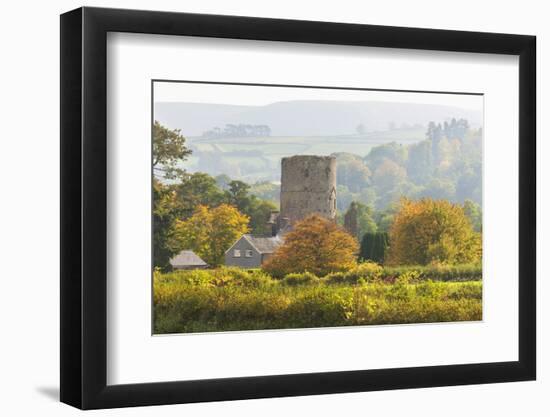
(369, 271)
(361, 273)
(430, 289)
(436, 272)
(316, 308)
(464, 272)
(254, 280)
(335, 278)
(230, 298)
(196, 277)
(400, 290)
(470, 290)
(224, 276)
(304, 278)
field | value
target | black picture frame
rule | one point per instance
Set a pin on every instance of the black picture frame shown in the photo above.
(84, 207)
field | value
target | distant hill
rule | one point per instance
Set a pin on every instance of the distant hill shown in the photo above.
(306, 117)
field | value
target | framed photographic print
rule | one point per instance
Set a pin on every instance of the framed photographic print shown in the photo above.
(256, 207)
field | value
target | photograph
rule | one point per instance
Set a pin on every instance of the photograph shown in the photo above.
(291, 207)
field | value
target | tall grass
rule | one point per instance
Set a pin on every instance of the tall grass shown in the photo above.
(233, 299)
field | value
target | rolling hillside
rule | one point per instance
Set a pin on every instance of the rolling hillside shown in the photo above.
(306, 118)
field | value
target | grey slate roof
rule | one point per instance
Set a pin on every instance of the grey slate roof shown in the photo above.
(187, 258)
(264, 244)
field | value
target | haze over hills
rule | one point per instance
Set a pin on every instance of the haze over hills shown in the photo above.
(247, 142)
(307, 117)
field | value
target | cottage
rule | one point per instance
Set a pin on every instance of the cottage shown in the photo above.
(187, 259)
(251, 251)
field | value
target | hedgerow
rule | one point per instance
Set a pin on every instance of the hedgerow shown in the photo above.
(227, 299)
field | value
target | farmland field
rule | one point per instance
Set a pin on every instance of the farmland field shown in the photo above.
(263, 154)
(228, 299)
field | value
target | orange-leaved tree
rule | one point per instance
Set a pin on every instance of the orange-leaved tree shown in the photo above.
(315, 244)
(209, 232)
(432, 231)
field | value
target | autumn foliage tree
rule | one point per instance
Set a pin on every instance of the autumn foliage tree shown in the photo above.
(209, 232)
(432, 231)
(315, 244)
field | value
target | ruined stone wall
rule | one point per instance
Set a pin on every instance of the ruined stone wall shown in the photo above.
(308, 185)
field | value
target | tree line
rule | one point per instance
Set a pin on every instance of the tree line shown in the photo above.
(424, 232)
(237, 131)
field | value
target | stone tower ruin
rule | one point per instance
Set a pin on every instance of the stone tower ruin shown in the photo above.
(308, 185)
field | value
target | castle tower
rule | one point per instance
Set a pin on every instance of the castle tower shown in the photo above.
(308, 185)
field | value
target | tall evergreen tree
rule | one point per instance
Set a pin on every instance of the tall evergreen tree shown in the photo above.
(373, 247)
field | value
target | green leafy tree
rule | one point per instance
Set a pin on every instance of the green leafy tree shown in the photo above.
(169, 150)
(434, 135)
(392, 196)
(352, 172)
(198, 189)
(259, 213)
(388, 176)
(365, 219)
(469, 184)
(237, 195)
(384, 218)
(345, 197)
(359, 220)
(166, 211)
(473, 211)
(393, 151)
(456, 129)
(202, 189)
(222, 181)
(419, 166)
(439, 189)
(266, 190)
(368, 196)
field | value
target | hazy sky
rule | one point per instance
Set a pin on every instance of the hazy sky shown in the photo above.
(258, 95)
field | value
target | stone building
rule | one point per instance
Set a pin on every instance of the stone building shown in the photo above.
(308, 185)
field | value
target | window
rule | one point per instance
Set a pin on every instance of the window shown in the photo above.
(248, 253)
(236, 253)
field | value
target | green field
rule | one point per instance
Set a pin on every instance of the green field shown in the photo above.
(229, 299)
(260, 155)
(317, 145)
